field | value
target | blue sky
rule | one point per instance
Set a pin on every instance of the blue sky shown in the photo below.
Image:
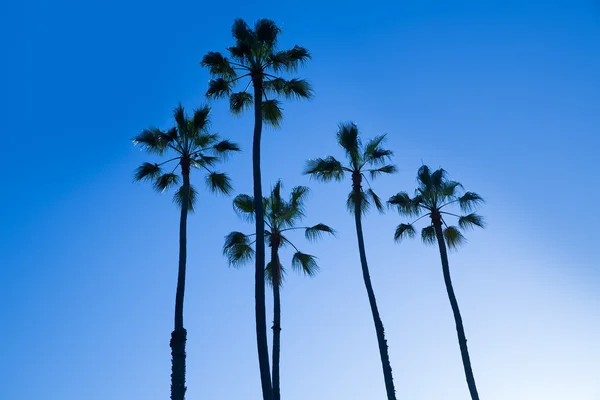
(504, 95)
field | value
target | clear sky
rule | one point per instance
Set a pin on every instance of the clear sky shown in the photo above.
(505, 95)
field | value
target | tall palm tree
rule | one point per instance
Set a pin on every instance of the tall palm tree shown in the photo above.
(280, 216)
(256, 56)
(435, 192)
(369, 159)
(191, 146)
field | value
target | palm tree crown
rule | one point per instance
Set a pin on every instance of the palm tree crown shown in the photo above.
(280, 216)
(255, 55)
(368, 159)
(434, 194)
(192, 147)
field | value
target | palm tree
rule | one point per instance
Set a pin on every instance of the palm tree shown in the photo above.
(434, 193)
(280, 216)
(255, 56)
(370, 159)
(192, 146)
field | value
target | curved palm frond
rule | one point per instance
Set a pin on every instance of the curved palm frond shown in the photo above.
(192, 199)
(200, 121)
(386, 169)
(151, 140)
(405, 205)
(453, 237)
(238, 249)
(244, 206)
(165, 181)
(218, 65)
(404, 231)
(219, 182)
(147, 172)
(324, 169)
(298, 195)
(424, 176)
(376, 200)
(313, 233)
(469, 201)
(360, 198)
(449, 188)
(428, 235)
(240, 102)
(347, 137)
(291, 59)
(266, 32)
(218, 88)
(180, 119)
(305, 263)
(225, 147)
(272, 112)
(470, 221)
(438, 178)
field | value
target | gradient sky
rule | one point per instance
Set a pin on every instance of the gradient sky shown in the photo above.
(504, 95)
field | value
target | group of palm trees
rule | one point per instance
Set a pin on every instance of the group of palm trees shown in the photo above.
(255, 56)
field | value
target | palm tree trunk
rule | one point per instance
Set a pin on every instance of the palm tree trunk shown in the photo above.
(179, 334)
(383, 348)
(462, 340)
(276, 321)
(259, 273)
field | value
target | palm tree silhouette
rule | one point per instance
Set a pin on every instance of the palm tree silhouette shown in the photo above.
(255, 56)
(280, 216)
(434, 194)
(192, 146)
(370, 159)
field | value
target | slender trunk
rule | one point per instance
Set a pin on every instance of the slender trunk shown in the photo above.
(179, 334)
(383, 348)
(276, 320)
(462, 340)
(259, 273)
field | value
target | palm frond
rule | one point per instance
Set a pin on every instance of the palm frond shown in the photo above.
(405, 205)
(386, 169)
(404, 231)
(266, 32)
(203, 140)
(438, 178)
(200, 160)
(298, 195)
(165, 181)
(146, 172)
(240, 31)
(271, 112)
(180, 119)
(347, 137)
(170, 136)
(293, 58)
(224, 147)
(453, 237)
(270, 274)
(218, 65)
(305, 263)
(449, 188)
(469, 201)
(240, 102)
(428, 235)
(201, 119)
(373, 153)
(192, 198)
(219, 182)
(151, 140)
(237, 249)
(244, 206)
(218, 88)
(315, 232)
(324, 169)
(358, 198)
(470, 221)
(424, 176)
(376, 200)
